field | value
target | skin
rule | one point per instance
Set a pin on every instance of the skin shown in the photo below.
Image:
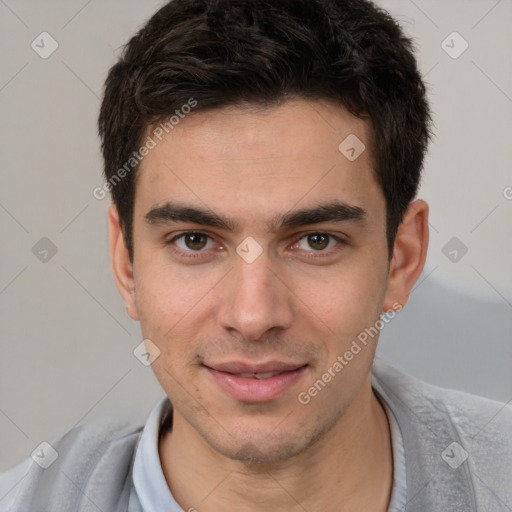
(300, 301)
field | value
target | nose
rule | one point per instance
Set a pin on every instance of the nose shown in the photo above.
(254, 300)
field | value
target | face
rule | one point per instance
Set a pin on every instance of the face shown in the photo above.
(260, 255)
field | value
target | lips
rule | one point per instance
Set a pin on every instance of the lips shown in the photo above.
(239, 368)
(256, 383)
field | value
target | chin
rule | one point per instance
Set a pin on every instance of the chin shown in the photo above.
(263, 452)
(267, 446)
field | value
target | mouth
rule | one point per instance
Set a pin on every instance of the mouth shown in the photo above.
(255, 383)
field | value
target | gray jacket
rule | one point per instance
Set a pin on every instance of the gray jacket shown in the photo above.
(458, 452)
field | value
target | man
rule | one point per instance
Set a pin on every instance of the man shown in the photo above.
(263, 160)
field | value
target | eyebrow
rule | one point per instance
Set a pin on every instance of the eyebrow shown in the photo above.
(331, 212)
(335, 211)
(170, 212)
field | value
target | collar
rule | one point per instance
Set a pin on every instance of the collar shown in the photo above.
(154, 494)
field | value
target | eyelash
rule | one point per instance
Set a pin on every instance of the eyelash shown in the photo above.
(310, 254)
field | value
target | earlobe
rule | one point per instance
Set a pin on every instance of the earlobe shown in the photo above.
(409, 255)
(121, 265)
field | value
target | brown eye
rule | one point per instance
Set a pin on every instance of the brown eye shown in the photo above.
(318, 241)
(193, 246)
(195, 241)
(321, 243)
(192, 241)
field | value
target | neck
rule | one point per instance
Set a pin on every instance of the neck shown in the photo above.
(351, 464)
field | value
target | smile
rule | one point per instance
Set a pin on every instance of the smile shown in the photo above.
(256, 383)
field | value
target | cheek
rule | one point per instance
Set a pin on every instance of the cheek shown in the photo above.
(175, 310)
(162, 303)
(166, 294)
(350, 305)
(171, 314)
(344, 301)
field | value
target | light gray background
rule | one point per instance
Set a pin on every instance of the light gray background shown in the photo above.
(66, 340)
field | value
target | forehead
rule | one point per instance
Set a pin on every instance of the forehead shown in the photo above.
(254, 161)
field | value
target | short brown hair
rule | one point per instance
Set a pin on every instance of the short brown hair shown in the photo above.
(263, 52)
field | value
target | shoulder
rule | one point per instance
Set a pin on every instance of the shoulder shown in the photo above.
(470, 412)
(97, 451)
(459, 440)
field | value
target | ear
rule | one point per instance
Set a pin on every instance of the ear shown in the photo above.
(121, 265)
(409, 254)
